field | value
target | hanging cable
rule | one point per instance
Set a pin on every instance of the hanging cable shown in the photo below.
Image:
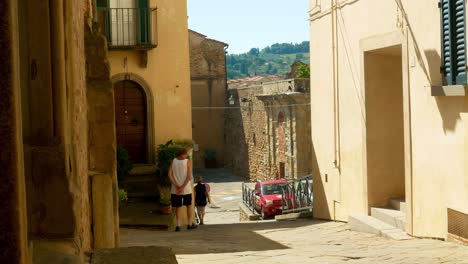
(245, 107)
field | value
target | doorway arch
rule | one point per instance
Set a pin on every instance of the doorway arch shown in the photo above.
(139, 91)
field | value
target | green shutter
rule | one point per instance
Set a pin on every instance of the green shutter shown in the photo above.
(102, 4)
(144, 22)
(103, 8)
(453, 41)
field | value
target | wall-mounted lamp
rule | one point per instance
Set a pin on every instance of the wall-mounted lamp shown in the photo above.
(231, 100)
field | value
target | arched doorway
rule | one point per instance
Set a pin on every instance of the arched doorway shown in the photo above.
(131, 120)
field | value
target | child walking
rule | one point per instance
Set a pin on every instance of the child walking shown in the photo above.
(201, 198)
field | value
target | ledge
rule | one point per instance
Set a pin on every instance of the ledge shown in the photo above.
(449, 90)
(133, 47)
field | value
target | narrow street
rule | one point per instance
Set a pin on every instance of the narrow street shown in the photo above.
(226, 194)
(225, 240)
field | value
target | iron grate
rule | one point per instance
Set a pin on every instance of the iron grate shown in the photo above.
(457, 223)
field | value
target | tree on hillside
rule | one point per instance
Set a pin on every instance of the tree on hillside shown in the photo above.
(274, 59)
(254, 51)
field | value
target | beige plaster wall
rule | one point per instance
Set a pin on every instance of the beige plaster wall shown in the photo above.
(167, 73)
(435, 149)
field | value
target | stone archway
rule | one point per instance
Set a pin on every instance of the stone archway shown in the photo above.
(131, 77)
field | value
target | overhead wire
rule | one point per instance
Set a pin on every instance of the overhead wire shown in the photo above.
(245, 107)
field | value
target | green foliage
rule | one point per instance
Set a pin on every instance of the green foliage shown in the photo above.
(272, 60)
(168, 152)
(209, 154)
(165, 202)
(123, 196)
(165, 195)
(184, 143)
(123, 163)
(288, 48)
(303, 71)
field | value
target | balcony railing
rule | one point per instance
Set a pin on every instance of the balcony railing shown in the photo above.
(129, 28)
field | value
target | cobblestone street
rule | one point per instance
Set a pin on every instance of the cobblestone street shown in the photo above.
(225, 240)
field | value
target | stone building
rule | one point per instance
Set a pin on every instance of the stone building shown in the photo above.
(209, 85)
(268, 129)
(386, 123)
(59, 189)
(150, 70)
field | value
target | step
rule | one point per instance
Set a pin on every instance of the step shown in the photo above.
(398, 204)
(371, 225)
(392, 217)
(143, 169)
(136, 255)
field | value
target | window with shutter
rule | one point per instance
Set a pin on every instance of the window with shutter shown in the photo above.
(102, 7)
(453, 41)
(144, 21)
(126, 23)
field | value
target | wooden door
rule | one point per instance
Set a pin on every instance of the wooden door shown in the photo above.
(282, 170)
(130, 117)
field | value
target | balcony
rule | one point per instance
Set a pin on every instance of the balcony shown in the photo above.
(129, 28)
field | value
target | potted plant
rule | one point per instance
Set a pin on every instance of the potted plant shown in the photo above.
(124, 166)
(123, 197)
(165, 200)
(210, 158)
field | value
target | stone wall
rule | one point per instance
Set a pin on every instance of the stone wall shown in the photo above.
(102, 141)
(12, 206)
(268, 131)
(46, 204)
(208, 75)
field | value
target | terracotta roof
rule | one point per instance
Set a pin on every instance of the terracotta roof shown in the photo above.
(204, 36)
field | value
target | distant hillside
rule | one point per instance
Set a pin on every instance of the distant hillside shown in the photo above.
(274, 59)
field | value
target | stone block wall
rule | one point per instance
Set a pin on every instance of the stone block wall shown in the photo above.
(46, 192)
(267, 130)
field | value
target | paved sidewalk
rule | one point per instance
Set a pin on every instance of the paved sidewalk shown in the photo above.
(224, 240)
(305, 241)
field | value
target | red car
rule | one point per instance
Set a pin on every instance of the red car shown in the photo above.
(268, 197)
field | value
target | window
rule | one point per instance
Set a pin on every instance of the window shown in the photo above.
(127, 23)
(269, 189)
(453, 42)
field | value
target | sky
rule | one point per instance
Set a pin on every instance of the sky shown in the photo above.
(246, 24)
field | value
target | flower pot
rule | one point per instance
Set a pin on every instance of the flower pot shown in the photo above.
(166, 210)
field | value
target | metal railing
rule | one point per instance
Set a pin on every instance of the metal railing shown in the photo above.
(128, 27)
(297, 195)
(248, 197)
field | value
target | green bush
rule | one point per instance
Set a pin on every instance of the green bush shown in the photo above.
(303, 71)
(123, 196)
(124, 166)
(166, 153)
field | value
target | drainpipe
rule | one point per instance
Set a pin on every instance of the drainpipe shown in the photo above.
(410, 143)
(336, 107)
(336, 132)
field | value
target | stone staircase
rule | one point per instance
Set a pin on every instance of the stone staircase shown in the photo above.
(387, 222)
